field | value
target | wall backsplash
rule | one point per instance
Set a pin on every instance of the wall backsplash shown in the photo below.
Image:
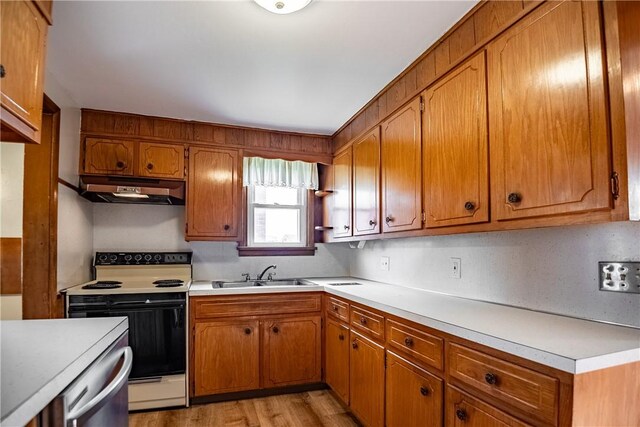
(551, 269)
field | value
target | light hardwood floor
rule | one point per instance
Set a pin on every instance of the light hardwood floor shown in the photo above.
(310, 409)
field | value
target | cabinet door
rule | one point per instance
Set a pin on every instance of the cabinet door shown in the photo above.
(227, 357)
(401, 170)
(291, 351)
(108, 156)
(548, 115)
(462, 410)
(337, 358)
(161, 160)
(342, 194)
(456, 185)
(213, 194)
(366, 184)
(24, 33)
(366, 380)
(414, 397)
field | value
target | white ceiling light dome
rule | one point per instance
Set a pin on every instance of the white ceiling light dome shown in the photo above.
(282, 7)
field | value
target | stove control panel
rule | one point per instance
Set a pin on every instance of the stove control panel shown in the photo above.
(142, 258)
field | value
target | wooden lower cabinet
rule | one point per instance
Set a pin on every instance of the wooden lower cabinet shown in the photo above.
(291, 351)
(366, 380)
(226, 356)
(465, 411)
(337, 358)
(413, 396)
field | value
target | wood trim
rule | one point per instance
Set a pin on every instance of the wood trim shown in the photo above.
(259, 251)
(68, 185)
(10, 265)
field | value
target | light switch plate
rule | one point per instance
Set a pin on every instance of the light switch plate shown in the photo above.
(455, 266)
(619, 276)
(384, 263)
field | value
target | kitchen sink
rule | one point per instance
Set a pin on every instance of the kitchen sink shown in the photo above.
(251, 283)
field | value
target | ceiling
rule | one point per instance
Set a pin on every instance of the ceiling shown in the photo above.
(233, 62)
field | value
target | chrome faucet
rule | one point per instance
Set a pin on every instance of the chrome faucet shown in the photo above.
(264, 271)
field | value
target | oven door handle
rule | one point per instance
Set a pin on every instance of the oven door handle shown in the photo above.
(158, 303)
(76, 417)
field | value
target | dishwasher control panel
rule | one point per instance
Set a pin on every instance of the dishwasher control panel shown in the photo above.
(619, 276)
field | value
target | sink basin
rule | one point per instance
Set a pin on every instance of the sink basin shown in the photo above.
(252, 283)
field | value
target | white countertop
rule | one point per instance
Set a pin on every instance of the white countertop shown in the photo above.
(40, 358)
(565, 343)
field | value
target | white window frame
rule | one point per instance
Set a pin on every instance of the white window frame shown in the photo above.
(304, 211)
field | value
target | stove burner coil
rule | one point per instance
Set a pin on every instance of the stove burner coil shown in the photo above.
(103, 284)
(168, 283)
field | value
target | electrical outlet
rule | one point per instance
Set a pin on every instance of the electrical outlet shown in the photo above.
(384, 263)
(455, 266)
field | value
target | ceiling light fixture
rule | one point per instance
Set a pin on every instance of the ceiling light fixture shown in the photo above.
(282, 7)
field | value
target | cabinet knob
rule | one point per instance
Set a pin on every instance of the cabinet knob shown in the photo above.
(120, 164)
(354, 344)
(247, 331)
(149, 166)
(363, 320)
(227, 227)
(469, 206)
(491, 378)
(2, 72)
(341, 337)
(461, 414)
(335, 308)
(408, 341)
(424, 391)
(514, 198)
(372, 222)
(388, 219)
(275, 330)
(346, 227)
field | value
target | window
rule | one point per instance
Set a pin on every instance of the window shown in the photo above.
(276, 217)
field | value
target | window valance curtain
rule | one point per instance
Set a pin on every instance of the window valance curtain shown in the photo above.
(279, 173)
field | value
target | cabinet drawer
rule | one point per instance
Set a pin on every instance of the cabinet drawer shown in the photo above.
(368, 323)
(337, 308)
(522, 388)
(255, 305)
(463, 410)
(424, 348)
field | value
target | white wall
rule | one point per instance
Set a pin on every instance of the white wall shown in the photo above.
(552, 269)
(75, 214)
(139, 227)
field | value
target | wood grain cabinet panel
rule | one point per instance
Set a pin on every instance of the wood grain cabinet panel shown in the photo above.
(522, 388)
(337, 308)
(23, 34)
(462, 410)
(366, 184)
(227, 356)
(161, 161)
(291, 351)
(366, 380)
(213, 194)
(456, 185)
(401, 170)
(255, 305)
(414, 398)
(423, 349)
(337, 358)
(368, 323)
(108, 156)
(342, 206)
(548, 114)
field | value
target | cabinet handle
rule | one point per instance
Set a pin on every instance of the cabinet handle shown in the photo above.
(469, 206)
(2, 72)
(247, 331)
(491, 378)
(372, 222)
(514, 198)
(227, 227)
(275, 330)
(363, 320)
(335, 308)
(149, 166)
(120, 164)
(341, 337)
(388, 219)
(346, 227)
(424, 391)
(354, 344)
(408, 341)
(461, 414)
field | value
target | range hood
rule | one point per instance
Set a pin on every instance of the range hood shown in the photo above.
(102, 189)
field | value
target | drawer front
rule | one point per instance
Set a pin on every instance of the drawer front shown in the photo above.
(424, 348)
(338, 309)
(368, 323)
(530, 391)
(255, 305)
(462, 410)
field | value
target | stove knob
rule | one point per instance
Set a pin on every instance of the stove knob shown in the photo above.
(138, 257)
(102, 258)
(127, 258)
(157, 257)
(147, 257)
(113, 257)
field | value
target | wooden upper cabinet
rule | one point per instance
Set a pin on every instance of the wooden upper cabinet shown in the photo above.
(161, 161)
(456, 184)
(548, 114)
(226, 356)
(213, 194)
(401, 170)
(108, 156)
(24, 35)
(291, 351)
(366, 184)
(342, 194)
(337, 358)
(366, 380)
(462, 410)
(414, 396)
